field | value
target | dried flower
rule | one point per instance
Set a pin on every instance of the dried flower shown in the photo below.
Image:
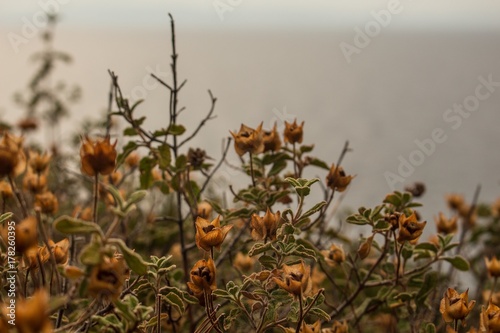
(272, 141)
(248, 140)
(47, 202)
(417, 189)
(106, 279)
(495, 208)
(73, 272)
(365, 247)
(243, 262)
(393, 220)
(455, 306)
(305, 328)
(32, 314)
(132, 160)
(202, 279)
(210, 234)
(26, 234)
(264, 228)
(296, 279)
(445, 225)
(204, 210)
(35, 183)
(97, 157)
(28, 124)
(12, 158)
(5, 190)
(455, 201)
(38, 163)
(337, 179)
(338, 327)
(293, 132)
(490, 318)
(410, 229)
(196, 157)
(335, 255)
(493, 266)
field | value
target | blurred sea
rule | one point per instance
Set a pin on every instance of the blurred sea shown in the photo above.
(395, 91)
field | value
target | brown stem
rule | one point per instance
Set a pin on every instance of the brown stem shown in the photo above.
(96, 196)
(251, 168)
(19, 196)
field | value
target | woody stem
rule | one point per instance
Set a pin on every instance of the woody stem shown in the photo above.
(455, 325)
(19, 196)
(398, 256)
(96, 196)
(251, 168)
(295, 171)
(301, 314)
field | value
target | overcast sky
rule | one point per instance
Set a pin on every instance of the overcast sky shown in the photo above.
(255, 14)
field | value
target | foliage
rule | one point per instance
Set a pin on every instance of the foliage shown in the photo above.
(153, 246)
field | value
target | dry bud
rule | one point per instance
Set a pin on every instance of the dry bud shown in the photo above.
(248, 140)
(493, 266)
(455, 306)
(296, 279)
(12, 158)
(365, 247)
(293, 132)
(410, 229)
(445, 225)
(272, 141)
(337, 179)
(210, 234)
(264, 228)
(97, 156)
(334, 255)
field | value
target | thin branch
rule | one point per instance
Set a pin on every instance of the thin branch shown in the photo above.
(202, 123)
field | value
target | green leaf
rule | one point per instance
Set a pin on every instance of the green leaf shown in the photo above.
(314, 209)
(176, 301)
(129, 147)
(125, 310)
(426, 246)
(321, 314)
(430, 328)
(458, 262)
(133, 259)
(90, 254)
(268, 262)
(146, 165)
(430, 282)
(164, 156)
(5, 216)
(258, 248)
(319, 163)
(129, 131)
(277, 167)
(70, 225)
(174, 129)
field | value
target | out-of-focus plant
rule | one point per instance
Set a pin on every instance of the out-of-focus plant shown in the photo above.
(141, 238)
